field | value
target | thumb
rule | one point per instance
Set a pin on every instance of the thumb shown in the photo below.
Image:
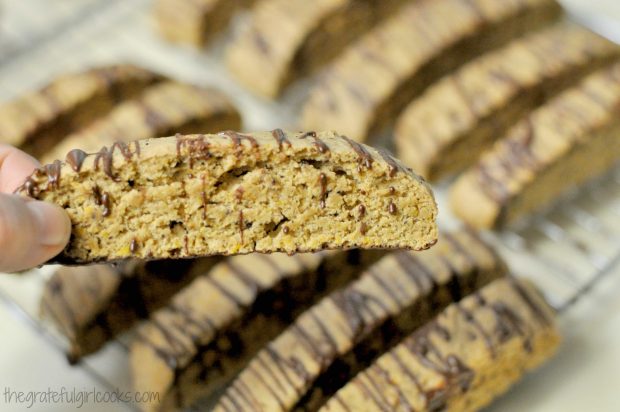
(31, 232)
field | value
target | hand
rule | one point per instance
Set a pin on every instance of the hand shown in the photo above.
(31, 231)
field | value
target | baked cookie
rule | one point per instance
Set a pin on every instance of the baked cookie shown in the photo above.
(286, 39)
(195, 22)
(569, 140)
(445, 130)
(90, 305)
(470, 354)
(234, 193)
(214, 326)
(366, 87)
(37, 121)
(341, 335)
(166, 108)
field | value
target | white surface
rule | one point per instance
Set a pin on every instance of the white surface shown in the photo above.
(584, 377)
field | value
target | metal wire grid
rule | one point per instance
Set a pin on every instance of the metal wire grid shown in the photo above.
(565, 250)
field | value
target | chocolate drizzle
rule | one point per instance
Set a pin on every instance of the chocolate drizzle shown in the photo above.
(281, 138)
(323, 183)
(237, 138)
(393, 167)
(75, 159)
(364, 157)
(52, 171)
(106, 157)
(197, 148)
(318, 143)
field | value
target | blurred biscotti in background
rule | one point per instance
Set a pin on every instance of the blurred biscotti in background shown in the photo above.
(446, 129)
(572, 138)
(37, 121)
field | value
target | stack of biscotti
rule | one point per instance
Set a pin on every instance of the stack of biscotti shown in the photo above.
(342, 334)
(567, 141)
(90, 305)
(216, 324)
(445, 130)
(371, 81)
(288, 39)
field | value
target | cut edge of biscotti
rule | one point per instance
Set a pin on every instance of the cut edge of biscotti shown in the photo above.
(473, 352)
(564, 143)
(232, 193)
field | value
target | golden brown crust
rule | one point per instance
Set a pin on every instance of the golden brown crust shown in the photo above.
(287, 39)
(214, 326)
(169, 107)
(443, 131)
(195, 22)
(343, 333)
(236, 193)
(570, 139)
(37, 121)
(366, 87)
(470, 354)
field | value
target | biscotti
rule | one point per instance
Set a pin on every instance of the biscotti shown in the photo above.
(569, 140)
(37, 121)
(459, 362)
(445, 130)
(342, 334)
(214, 326)
(89, 305)
(234, 193)
(195, 22)
(163, 109)
(286, 39)
(366, 87)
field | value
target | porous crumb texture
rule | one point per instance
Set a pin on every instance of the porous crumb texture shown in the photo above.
(374, 79)
(444, 130)
(37, 121)
(459, 362)
(215, 325)
(572, 138)
(286, 39)
(90, 305)
(195, 22)
(235, 193)
(341, 335)
(169, 107)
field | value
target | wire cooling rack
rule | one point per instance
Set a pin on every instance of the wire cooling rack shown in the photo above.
(566, 249)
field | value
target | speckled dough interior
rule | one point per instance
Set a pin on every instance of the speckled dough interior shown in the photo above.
(230, 193)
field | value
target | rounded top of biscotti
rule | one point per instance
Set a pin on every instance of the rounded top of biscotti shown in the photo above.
(260, 146)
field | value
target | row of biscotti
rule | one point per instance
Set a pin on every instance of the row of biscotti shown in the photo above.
(100, 106)
(328, 319)
(283, 40)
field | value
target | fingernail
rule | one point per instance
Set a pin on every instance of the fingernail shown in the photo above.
(54, 227)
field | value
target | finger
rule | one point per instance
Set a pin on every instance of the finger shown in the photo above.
(31, 232)
(15, 166)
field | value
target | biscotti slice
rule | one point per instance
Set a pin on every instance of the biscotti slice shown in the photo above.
(344, 332)
(366, 87)
(569, 140)
(195, 22)
(90, 305)
(286, 39)
(214, 326)
(473, 352)
(37, 121)
(166, 108)
(443, 131)
(234, 193)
